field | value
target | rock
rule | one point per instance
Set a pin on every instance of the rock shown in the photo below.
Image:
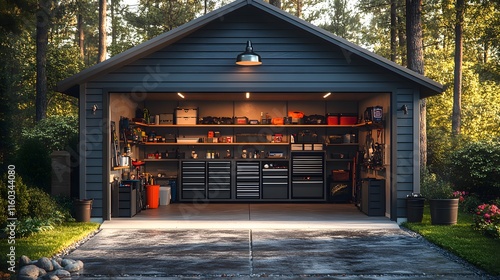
(41, 272)
(55, 264)
(45, 263)
(29, 271)
(24, 260)
(61, 273)
(50, 276)
(65, 262)
(80, 263)
(72, 267)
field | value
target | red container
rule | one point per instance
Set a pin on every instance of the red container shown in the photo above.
(332, 120)
(348, 119)
(153, 196)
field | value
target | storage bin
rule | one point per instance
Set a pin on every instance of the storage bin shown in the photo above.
(186, 113)
(165, 195)
(167, 118)
(332, 119)
(348, 119)
(153, 196)
(186, 120)
(340, 175)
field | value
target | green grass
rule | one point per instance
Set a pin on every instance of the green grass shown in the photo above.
(47, 243)
(462, 240)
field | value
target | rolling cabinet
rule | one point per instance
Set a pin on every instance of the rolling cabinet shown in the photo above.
(275, 179)
(308, 177)
(247, 180)
(219, 179)
(373, 197)
(193, 180)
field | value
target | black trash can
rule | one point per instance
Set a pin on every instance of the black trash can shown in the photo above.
(83, 208)
(415, 209)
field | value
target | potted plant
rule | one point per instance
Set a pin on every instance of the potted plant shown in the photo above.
(443, 204)
(415, 207)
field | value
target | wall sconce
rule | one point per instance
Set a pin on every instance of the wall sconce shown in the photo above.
(248, 57)
(247, 95)
(94, 109)
(404, 108)
(180, 95)
(327, 94)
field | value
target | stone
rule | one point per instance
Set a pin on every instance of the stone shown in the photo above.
(45, 263)
(61, 273)
(24, 260)
(41, 272)
(72, 267)
(29, 271)
(50, 276)
(65, 262)
(80, 263)
(55, 264)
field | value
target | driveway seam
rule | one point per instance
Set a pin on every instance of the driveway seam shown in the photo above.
(250, 248)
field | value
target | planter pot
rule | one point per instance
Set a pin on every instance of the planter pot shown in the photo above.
(83, 208)
(444, 211)
(415, 209)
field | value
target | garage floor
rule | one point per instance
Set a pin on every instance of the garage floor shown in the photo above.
(272, 241)
(263, 216)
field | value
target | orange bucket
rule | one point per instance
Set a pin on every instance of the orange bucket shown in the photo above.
(153, 196)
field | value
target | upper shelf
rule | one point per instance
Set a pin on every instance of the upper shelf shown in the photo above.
(254, 125)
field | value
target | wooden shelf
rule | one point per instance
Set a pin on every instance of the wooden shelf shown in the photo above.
(120, 167)
(215, 144)
(250, 125)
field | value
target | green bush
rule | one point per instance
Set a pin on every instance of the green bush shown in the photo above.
(21, 198)
(35, 209)
(476, 168)
(470, 203)
(34, 164)
(433, 186)
(54, 132)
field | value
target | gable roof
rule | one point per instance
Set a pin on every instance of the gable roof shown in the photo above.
(71, 85)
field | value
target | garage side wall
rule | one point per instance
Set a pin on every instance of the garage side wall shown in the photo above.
(407, 144)
(92, 129)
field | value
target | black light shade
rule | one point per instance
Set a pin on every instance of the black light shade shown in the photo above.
(248, 58)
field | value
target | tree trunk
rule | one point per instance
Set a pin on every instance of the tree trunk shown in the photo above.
(394, 29)
(81, 36)
(415, 52)
(456, 118)
(42, 37)
(276, 3)
(102, 31)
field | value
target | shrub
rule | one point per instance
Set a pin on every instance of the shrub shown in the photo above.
(434, 187)
(469, 203)
(476, 168)
(22, 199)
(34, 164)
(487, 219)
(35, 209)
(54, 132)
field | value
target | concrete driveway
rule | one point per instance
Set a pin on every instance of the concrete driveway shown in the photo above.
(274, 248)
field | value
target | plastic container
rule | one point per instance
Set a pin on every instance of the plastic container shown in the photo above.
(153, 196)
(332, 119)
(165, 195)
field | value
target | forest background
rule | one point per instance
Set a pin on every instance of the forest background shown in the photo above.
(72, 37)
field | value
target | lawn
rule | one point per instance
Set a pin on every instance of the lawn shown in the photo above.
(462, 240)
(47, 243)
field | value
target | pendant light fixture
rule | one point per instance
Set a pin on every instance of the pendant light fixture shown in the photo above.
(248, 57)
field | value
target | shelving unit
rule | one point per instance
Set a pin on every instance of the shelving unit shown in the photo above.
(247, 178)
